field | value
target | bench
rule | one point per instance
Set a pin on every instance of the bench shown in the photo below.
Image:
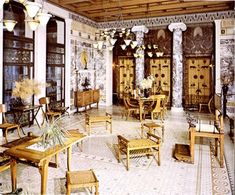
(89, 120)
(145, 146)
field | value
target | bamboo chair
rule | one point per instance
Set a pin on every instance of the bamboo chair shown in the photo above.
(5, 126)
(48, 114)
(129, 107)
(158, 109)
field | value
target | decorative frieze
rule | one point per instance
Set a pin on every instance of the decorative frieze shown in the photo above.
(166, 20)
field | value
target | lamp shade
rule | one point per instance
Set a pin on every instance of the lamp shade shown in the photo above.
(43, 18)
(32, 8)
(127, 41)
(134, 44)
(123, 47)
(95, 45)
(112, 41)
(150, 54)
(9, 24)
(33, 24)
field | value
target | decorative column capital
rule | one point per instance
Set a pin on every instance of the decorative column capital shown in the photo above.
(140, 28)
(177, 26)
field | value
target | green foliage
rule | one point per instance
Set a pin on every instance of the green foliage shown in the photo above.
(54, 133)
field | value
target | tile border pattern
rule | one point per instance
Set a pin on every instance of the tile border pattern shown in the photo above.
(219, 176)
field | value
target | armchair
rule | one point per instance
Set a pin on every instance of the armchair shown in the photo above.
(130, 108)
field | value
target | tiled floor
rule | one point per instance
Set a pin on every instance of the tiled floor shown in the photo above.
(145, 176)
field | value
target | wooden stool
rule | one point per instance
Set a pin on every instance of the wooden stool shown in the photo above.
(89, 120)
(152, 126)
(81, 179)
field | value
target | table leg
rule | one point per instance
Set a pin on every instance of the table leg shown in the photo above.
(140, 111)
(17, 120)
(69, 154)
(34, 117)
(43, 169)
(13, 166)
(222, 151)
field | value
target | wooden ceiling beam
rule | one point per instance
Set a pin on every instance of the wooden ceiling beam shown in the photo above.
(67, 2)
(107, 5)
(151, 9)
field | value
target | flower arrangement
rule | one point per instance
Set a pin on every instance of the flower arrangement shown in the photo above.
(25, 88)
(147, 83)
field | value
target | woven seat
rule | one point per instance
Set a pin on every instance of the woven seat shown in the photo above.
(147, 146)
(81, 179)
(89, 120)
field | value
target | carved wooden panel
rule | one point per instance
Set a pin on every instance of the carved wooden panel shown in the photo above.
(126, 75)
(160, 69)
(198, 83)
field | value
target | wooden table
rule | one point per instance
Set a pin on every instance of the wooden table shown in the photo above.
(39, 159)
(26, 109)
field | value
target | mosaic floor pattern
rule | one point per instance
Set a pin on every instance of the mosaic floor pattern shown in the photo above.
(145, 177)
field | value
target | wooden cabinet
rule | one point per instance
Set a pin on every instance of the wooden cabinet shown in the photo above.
(126, 81)
(160, 69)
(197, 81)
(86, 98)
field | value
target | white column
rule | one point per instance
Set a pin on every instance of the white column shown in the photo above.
(217, 56)
(40, 63)
(139, 61)
(68, 23)
(109, 78)
(177, 72)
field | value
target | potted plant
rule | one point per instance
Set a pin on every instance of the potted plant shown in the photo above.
(54, 133)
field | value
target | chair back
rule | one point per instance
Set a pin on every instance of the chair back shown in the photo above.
(3, 110)
(159, 99)
(219, 121)
(45, 101)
